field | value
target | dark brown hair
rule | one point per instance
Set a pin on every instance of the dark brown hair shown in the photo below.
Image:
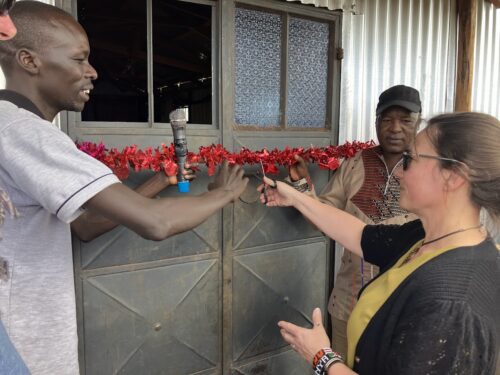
(472, 138)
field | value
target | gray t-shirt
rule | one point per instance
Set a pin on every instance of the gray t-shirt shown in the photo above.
(48, 180)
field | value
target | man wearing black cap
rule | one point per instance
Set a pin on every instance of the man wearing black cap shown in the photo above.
(365, 186)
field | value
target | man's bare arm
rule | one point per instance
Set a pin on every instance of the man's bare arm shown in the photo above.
(90, 224)
(157, 219)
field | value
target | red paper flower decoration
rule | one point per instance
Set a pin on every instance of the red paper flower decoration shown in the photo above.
(163, 158)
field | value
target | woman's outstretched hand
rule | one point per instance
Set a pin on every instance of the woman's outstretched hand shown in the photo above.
(306, 341)
(276, 193)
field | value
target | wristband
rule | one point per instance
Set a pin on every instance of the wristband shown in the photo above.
(301, 185)
(320, 355)
(328, 359)
(331, 362)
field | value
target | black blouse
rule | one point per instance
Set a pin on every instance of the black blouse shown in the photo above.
(443, 319)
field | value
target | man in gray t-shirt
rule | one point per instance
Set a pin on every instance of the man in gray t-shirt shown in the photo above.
(49, 182)
(7, 31)
(10, 361)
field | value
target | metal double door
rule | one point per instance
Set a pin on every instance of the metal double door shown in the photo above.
(206, 301)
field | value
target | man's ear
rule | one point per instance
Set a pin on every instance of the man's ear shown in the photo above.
(28, 60)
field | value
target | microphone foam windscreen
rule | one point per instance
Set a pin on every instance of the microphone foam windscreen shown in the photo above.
(178, 115)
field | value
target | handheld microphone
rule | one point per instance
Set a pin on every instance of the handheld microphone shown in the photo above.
(178, 121)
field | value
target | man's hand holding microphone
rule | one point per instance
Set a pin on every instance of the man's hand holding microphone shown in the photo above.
(229, 178)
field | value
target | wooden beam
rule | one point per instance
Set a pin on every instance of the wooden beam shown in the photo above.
(139, 55)
(467, 19)
(496, 3)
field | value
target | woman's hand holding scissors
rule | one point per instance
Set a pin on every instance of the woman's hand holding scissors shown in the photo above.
(276, 193)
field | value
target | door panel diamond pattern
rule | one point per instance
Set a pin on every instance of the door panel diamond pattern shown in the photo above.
(267, 277)
(162, 320)
(288, 363)
(122, 246)
(257, 225)
(102, 252)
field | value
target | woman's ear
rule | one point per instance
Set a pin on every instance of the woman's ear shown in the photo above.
(28, 61)
(453, 179)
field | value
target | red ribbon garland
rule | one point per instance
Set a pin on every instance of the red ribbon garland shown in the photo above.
(163, 158)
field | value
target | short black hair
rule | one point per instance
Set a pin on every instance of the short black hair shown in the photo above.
(32, 19)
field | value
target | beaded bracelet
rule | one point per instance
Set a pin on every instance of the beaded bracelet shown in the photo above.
(328, 358)
(320, 355)
(335, 359)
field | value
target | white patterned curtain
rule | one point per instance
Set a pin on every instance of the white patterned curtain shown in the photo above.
(353, 6)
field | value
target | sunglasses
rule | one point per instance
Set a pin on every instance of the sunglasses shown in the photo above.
(408, 157)
(6, 5)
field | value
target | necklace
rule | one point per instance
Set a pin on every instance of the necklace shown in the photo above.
(450, 234)
(415, 251)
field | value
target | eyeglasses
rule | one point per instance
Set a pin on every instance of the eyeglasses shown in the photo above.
(408, 157)
(6, 5)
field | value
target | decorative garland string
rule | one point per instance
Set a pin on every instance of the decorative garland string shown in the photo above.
(163, 158)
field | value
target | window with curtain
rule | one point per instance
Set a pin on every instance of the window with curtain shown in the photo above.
(281, 82)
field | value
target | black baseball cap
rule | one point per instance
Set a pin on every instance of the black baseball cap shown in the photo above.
(401, 96)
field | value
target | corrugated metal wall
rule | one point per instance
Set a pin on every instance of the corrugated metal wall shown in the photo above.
(412, 42)
(486, 88)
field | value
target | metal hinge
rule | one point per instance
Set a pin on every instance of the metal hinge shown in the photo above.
(340, 53)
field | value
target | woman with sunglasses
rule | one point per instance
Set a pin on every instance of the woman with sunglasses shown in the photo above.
(435, 306)
(7, 28)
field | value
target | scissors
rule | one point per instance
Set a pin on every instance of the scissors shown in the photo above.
(273, 186)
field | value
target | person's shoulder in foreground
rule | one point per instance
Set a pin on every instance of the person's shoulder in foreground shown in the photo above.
(10, 360)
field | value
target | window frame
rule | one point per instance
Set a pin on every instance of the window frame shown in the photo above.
(160, 127)
(287, 11)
